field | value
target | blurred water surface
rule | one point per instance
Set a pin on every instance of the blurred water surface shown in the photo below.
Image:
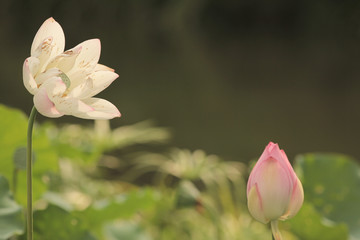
(226, 76)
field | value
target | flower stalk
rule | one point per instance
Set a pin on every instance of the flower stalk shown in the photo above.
(29, 215)
(275, 230)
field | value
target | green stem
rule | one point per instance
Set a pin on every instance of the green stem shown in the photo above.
(29, 214)
(275, 230)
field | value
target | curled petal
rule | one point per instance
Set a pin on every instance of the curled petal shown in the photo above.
(43, 101)
(44, 52)
(30, 68)
(66, 60)
(72, 106)
(42, 77)
(85, 62)
(101, 109)
(55, 88)
(100, 67)
(50, 28)
(90, 54)
(44, 106)
(99, 81)
(84, 89)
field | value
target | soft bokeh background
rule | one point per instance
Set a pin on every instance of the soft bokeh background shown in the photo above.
(226, 76)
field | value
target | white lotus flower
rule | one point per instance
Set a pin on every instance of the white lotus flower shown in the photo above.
(64, 83)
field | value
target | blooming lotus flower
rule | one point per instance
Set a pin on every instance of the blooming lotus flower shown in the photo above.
(64, 83)
(274, 191)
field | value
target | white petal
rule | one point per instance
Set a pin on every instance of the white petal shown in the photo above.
(72, 106)
(44, 105)
(85, 62)
(101, 109)
(84, 89)
(44, 52)
(42, 77)
(99, 81)
(30, 68)
(100, 67)
(255, 205)
(55, 88)
(50, 28)
(296, 201)
(66, 60)
(90, 54)
(274, 187)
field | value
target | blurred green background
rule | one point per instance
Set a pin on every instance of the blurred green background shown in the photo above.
(226, 76)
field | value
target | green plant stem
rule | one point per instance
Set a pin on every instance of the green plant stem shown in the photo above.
(275, 230)
(29, 215)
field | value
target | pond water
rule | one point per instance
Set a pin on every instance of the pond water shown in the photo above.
(222, 80)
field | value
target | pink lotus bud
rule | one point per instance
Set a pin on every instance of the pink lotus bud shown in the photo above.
(273, 190)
